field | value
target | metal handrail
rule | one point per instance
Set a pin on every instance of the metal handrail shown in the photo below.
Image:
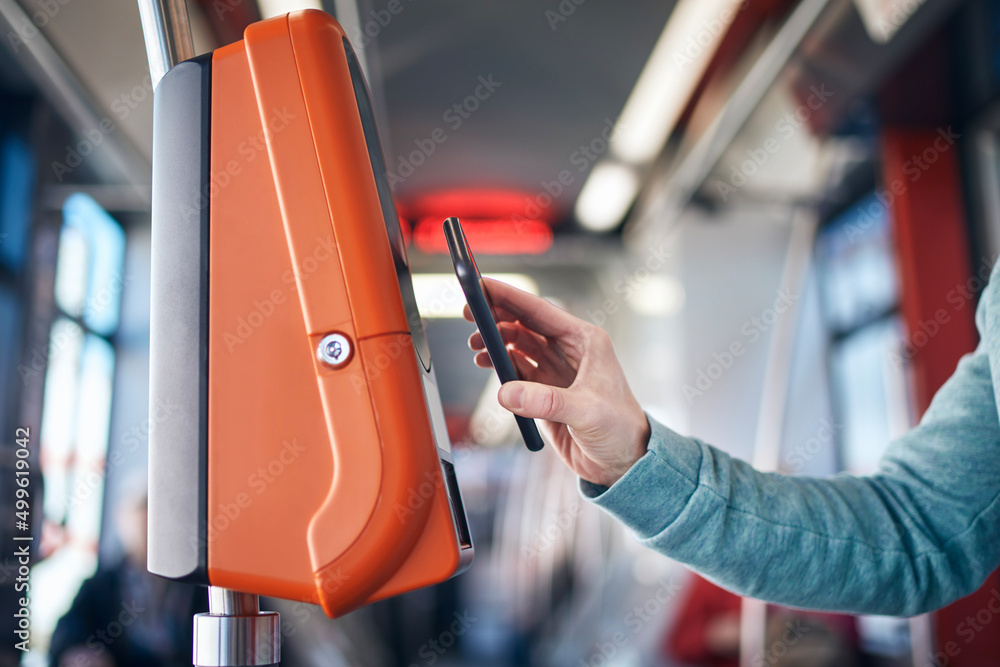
(167, 31)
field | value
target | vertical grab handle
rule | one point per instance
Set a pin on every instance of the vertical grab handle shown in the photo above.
(167, 32)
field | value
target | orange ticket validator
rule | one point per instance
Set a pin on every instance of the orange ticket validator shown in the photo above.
(299, 448)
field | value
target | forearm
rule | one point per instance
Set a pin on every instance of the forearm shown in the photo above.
(889, 544)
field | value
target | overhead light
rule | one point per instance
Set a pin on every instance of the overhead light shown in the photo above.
(482, 203)
(665, 86)
(504, 236)
(271, 8)
(676, 65)
(440, 296)
(606, 196)
(657, 296)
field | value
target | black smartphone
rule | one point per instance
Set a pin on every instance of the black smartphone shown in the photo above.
(482, 312)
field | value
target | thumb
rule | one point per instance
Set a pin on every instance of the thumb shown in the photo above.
(540, 401)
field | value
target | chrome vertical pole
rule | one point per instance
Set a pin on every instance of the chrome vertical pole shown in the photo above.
(167, 32)
(235, 633)
(774, 399)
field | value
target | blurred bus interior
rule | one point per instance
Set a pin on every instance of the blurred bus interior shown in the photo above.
(764, 202)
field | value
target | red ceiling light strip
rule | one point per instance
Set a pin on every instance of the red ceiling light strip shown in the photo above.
(487, 236)
(480, 203)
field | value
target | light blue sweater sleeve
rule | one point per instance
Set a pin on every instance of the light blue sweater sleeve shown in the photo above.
(921, 532)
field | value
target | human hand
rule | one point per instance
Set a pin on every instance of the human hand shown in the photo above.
(573, 383)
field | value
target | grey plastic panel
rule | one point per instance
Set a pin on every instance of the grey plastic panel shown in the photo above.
(178, 364)
(440, 430)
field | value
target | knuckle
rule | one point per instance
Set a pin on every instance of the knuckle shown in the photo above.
(552, 402)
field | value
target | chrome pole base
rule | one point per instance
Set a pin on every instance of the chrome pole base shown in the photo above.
(235, 633)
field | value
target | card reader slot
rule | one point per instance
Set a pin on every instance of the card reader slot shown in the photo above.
(457, 509)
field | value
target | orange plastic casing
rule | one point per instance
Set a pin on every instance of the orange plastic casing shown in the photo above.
(324, 485)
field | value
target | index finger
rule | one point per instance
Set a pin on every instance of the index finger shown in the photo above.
(534, 312)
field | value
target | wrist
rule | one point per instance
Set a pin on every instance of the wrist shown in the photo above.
(635, 448)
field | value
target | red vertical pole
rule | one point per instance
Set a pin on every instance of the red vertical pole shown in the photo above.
(922, 177)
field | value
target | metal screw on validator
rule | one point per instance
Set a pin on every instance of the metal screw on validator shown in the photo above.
(334, 350)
